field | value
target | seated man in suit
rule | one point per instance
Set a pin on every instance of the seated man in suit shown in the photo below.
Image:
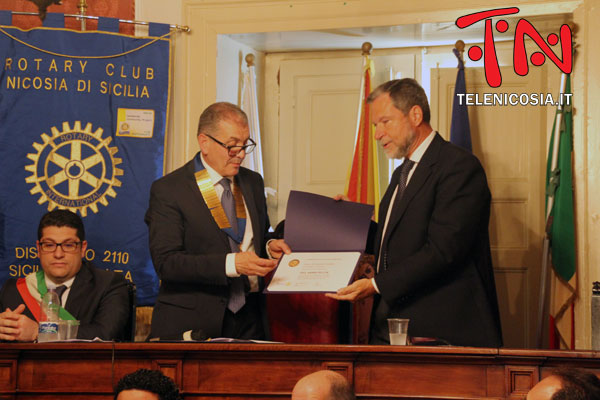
(97, 298)
(208, 228)
(432, 250)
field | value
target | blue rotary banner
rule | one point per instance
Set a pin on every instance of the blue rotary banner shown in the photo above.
(82, 127)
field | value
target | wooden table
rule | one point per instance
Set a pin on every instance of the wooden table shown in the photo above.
(269, 371)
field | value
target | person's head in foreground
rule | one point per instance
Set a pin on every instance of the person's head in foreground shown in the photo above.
(145, 384)
(563, 384)
(323, 385)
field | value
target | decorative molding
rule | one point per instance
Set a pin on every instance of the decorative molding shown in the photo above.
(8, 375)
(346, 369)
(171, 368)
(520, 380)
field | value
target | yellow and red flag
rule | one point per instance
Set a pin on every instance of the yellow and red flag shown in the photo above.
(362, 185)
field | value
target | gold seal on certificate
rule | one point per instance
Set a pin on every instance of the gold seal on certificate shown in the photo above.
(294, 263)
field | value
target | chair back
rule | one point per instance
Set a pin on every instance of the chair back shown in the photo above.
(129, 330)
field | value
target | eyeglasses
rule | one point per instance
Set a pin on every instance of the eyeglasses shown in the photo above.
(234, 150)
(67, 247)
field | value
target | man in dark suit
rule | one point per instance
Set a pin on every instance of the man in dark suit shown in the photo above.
(210, 255)
(432, 247)
(97, 298)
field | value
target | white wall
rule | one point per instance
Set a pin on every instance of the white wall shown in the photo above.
(231, 64)
(177, 138)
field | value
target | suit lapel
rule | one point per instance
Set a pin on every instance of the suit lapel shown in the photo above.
(193, 189)
(418, 179)
(80, 289)
(191, 185)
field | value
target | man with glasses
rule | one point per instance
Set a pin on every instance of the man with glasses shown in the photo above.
(97, 298)
(208, 228)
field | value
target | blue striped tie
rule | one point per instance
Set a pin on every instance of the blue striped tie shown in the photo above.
(237, 294)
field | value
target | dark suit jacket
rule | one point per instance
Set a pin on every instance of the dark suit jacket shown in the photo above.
(98, 299)
(435, 266)
(189, 250)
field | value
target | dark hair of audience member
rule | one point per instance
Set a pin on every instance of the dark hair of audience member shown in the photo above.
(341, 390)
(151, 381)
(62, 218)
(577, 385)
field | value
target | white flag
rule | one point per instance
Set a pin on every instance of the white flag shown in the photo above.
(253, 160)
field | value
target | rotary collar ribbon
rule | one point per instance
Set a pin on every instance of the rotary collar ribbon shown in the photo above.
(209, 194)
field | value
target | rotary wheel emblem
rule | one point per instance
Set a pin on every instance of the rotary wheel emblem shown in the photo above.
(74, 169)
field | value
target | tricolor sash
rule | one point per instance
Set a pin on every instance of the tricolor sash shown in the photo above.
(32, 304)
(209, 194)
(32, 289)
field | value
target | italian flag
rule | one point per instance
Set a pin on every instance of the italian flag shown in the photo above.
(560, 229)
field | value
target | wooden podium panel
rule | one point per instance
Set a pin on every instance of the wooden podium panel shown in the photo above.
(312, 318)
(269, 371)
(304, 318)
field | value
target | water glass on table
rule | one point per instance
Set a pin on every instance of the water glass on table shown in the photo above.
(398, 328)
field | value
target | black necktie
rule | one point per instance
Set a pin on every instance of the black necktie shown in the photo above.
(402, 182)
(59, 291)
(237, 293)
(404, 171)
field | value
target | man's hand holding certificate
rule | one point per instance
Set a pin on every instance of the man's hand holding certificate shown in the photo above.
(327, 237)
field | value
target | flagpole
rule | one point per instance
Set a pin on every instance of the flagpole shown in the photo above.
(460, 46)
(82, 6)
(182, 28)
(366, 52)
(549, 205)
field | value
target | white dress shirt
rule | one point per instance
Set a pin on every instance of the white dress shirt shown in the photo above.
(416, 158)
(65, 295)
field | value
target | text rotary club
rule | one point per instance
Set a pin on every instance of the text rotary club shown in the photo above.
(118, 83)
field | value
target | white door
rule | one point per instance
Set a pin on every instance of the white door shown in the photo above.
(317, 120)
